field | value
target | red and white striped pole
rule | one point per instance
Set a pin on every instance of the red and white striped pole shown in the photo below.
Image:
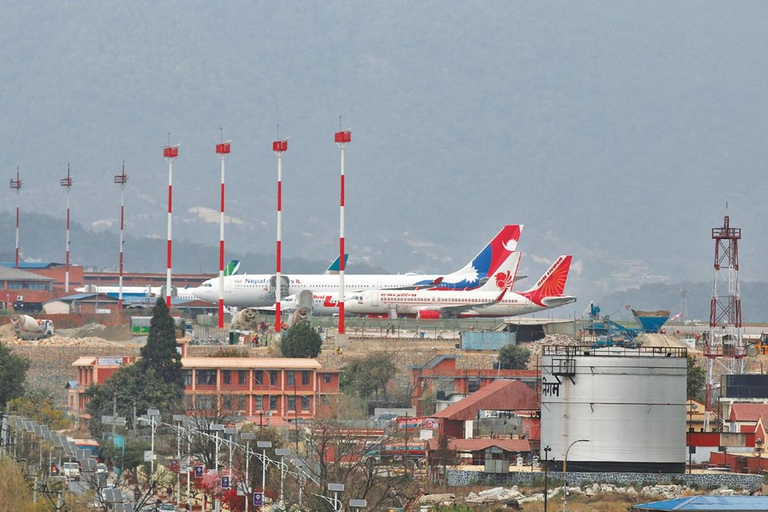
(342, 138)
(121, 179)
(67, 184)
(279, 147)
(170, 153)
(16, 185)
(222, 150)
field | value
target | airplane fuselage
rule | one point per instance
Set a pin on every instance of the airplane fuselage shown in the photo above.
(465, 303)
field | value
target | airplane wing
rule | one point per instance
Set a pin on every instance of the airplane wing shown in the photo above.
(420, 286)
(464, 308)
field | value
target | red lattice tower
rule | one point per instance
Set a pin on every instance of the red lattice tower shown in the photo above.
(724, 344)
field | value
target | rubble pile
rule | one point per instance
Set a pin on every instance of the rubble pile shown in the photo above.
(60, 341)
(93, 330)
(660, 491)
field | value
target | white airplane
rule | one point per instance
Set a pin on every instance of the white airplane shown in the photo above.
(493, 299)
(259, 290)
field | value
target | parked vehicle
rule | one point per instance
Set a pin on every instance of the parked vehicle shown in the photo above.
(28, 328)
(71, 470)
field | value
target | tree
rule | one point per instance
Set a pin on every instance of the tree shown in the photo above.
(512, 357)
(369, 375)
(130, 387)
(697, 379)
(38, 405)
(160, 353)
(13, 374)
(301, 341)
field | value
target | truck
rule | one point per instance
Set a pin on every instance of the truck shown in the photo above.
(758, 347)
(27, 328)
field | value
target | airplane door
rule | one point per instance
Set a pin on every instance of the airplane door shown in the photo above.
(227, 285)
(375, 299)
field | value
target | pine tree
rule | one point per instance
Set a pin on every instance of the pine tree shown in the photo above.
(160, 354)
(301, 341)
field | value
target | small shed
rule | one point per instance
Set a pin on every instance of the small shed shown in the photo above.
(496, 460)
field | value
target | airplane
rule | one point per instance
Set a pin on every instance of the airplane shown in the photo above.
(259, 290)
(493, 299)
(154, 291)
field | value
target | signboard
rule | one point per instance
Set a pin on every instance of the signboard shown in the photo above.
(198, 471)
(225, 482)
(109, 361)
(148, 456)
(426, 434)
(257, 499)
(417, 423)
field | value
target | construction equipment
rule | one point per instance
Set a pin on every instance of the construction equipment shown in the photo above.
(27, 328)
(759, 347)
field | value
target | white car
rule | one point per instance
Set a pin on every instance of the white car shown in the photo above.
(71, 470)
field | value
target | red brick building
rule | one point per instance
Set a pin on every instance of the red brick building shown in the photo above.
(441, 377)
(264, 390)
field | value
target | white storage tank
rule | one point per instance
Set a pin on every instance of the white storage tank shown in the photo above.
(614, 409)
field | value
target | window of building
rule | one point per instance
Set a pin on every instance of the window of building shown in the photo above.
(273, 377)
(473, 385)
(327, 378)
(187, 377)
(227, 376)
(290, 378)
(204, 402)
(15, 286)
(305, 403)
(206, 377)
(258, 377)
(258, 402)
(273, 403)
(227, 402)
(291, 403)
(240, 403)
(305, 378)
(242, 377)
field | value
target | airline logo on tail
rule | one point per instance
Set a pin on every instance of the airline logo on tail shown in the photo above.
(486, 263)
(552, 283)
(232, 268)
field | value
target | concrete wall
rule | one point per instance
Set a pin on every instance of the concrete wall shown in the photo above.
(457, 478)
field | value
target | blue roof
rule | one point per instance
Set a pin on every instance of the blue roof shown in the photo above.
(709, 503)
(26, 265)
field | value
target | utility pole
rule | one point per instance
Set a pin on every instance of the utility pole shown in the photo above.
(546, 471)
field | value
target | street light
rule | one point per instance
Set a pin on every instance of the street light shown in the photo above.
(547, 449)
(263, 445)
(336, 489)
(358, 504)
(565, 474)
(152, 417)
(179, 420)
(247, 437)
(217, 427)
(116, 421)
(230, 431)
(282, 452)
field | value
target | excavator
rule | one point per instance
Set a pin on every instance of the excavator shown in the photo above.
(759, 347)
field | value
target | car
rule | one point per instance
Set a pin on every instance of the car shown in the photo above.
(71, 470)
(101, 468)
(167, 507)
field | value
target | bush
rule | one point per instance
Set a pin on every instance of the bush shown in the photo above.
(301, 341)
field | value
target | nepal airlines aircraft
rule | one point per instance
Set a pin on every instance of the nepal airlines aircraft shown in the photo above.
(491, 300)
(259, 290)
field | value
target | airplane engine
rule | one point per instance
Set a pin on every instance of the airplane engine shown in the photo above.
(428, 315)
(246, 319)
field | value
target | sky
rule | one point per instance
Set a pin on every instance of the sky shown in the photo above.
(615, 131)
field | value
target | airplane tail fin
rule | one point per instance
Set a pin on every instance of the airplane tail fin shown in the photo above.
(487, 261)
(552, 283)
(333, 268)
(232, 268)
(505, 274)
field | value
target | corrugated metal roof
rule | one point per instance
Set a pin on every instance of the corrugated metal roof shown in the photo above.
(85, 297)
(11, 274)
(85, 361)
(250, 363)
(748, 412)
(35, 265)
(709, 503)
(500, 395)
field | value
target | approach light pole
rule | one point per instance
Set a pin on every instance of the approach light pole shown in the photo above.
(222, 149)
(67, 184)
(279, 147)
(121, 179)
(263, 445)
(342, 138)
(170, 153)
(16, 186)
(247, 437)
